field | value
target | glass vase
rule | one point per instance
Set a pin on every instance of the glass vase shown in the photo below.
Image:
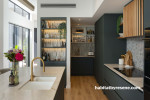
(15, 70)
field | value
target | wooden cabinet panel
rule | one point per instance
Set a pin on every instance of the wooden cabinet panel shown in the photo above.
(133, 19)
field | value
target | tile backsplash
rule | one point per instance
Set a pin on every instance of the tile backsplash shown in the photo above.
(136, 46)
(81, 49)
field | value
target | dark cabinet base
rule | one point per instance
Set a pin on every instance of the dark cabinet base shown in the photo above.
(60, 91)
(81, 66)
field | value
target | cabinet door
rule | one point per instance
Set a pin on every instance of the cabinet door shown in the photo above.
(81, 66)
(131, 19)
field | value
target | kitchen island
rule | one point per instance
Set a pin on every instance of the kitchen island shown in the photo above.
(16, 93)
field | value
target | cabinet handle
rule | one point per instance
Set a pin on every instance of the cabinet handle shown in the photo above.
(147, 77)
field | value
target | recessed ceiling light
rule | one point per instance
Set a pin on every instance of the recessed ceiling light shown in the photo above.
(78, 24)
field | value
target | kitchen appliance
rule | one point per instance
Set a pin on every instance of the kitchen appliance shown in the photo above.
(147, 63)
(90, 53)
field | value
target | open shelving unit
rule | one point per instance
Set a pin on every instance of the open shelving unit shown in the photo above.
(82, 42)
(53, 40)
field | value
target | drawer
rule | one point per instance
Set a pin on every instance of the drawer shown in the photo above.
(111, 94)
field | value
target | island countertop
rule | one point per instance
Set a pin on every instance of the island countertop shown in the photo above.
(15, 93)
(135, 81)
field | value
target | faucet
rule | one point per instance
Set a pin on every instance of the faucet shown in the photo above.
(32, 66)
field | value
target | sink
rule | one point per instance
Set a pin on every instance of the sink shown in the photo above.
(39, 83)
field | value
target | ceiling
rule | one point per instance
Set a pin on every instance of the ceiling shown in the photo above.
(108, 6)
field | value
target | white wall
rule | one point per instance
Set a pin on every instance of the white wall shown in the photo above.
(84, 8)
(11, 17)
(1, 34)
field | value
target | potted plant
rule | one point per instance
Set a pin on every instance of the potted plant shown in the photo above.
(15, 56)
(62, 30)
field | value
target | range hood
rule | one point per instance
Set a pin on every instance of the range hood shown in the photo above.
(27, 4)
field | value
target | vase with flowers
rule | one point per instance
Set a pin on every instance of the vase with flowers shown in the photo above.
(15, 56)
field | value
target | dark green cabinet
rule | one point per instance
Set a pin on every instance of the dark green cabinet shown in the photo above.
(81, 66)
(107, 47)
(60, 91)
(113, 79)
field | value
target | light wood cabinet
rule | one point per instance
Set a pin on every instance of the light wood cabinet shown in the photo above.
(133, 19)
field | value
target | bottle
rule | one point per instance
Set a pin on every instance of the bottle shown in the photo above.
(48, 57)
(11, 78)
(43, 56)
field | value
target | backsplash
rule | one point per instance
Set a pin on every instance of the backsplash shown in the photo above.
(136, 46)
(81, 49)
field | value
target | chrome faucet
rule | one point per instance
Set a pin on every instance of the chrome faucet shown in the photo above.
(32, 76)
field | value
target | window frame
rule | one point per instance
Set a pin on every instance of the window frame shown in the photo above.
(21, 9)
(14, 42)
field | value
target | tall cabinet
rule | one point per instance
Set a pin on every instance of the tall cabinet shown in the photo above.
(53, 41)
(107, 47)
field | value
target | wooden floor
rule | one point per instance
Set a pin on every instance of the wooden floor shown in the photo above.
(83, 88)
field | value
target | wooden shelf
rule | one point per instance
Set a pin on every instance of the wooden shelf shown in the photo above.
(121, 38)
(78, 32)
(121, 24)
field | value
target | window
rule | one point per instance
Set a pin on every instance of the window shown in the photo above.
(20, 36)
(25, 14)
(14, 7)
(18, 10)
(11, 6)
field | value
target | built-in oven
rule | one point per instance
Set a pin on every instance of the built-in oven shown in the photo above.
(147, 64)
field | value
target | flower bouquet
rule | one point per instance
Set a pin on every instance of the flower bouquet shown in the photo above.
(15, 56)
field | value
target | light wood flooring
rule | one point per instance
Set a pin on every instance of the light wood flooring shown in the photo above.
(83, 88)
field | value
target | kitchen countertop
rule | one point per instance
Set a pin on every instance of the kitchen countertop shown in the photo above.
(135, 81)
(15, 93)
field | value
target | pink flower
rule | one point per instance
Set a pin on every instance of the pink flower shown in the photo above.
(19, 57)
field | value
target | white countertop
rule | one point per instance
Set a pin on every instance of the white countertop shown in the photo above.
(14, 93)
(135, 81)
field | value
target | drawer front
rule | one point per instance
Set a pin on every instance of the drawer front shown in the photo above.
(111, 94)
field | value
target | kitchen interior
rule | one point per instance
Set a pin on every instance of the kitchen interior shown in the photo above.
(111, 51)
(82, 46)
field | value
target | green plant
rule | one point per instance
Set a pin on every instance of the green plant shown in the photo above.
(62, 28)
(119, 21)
